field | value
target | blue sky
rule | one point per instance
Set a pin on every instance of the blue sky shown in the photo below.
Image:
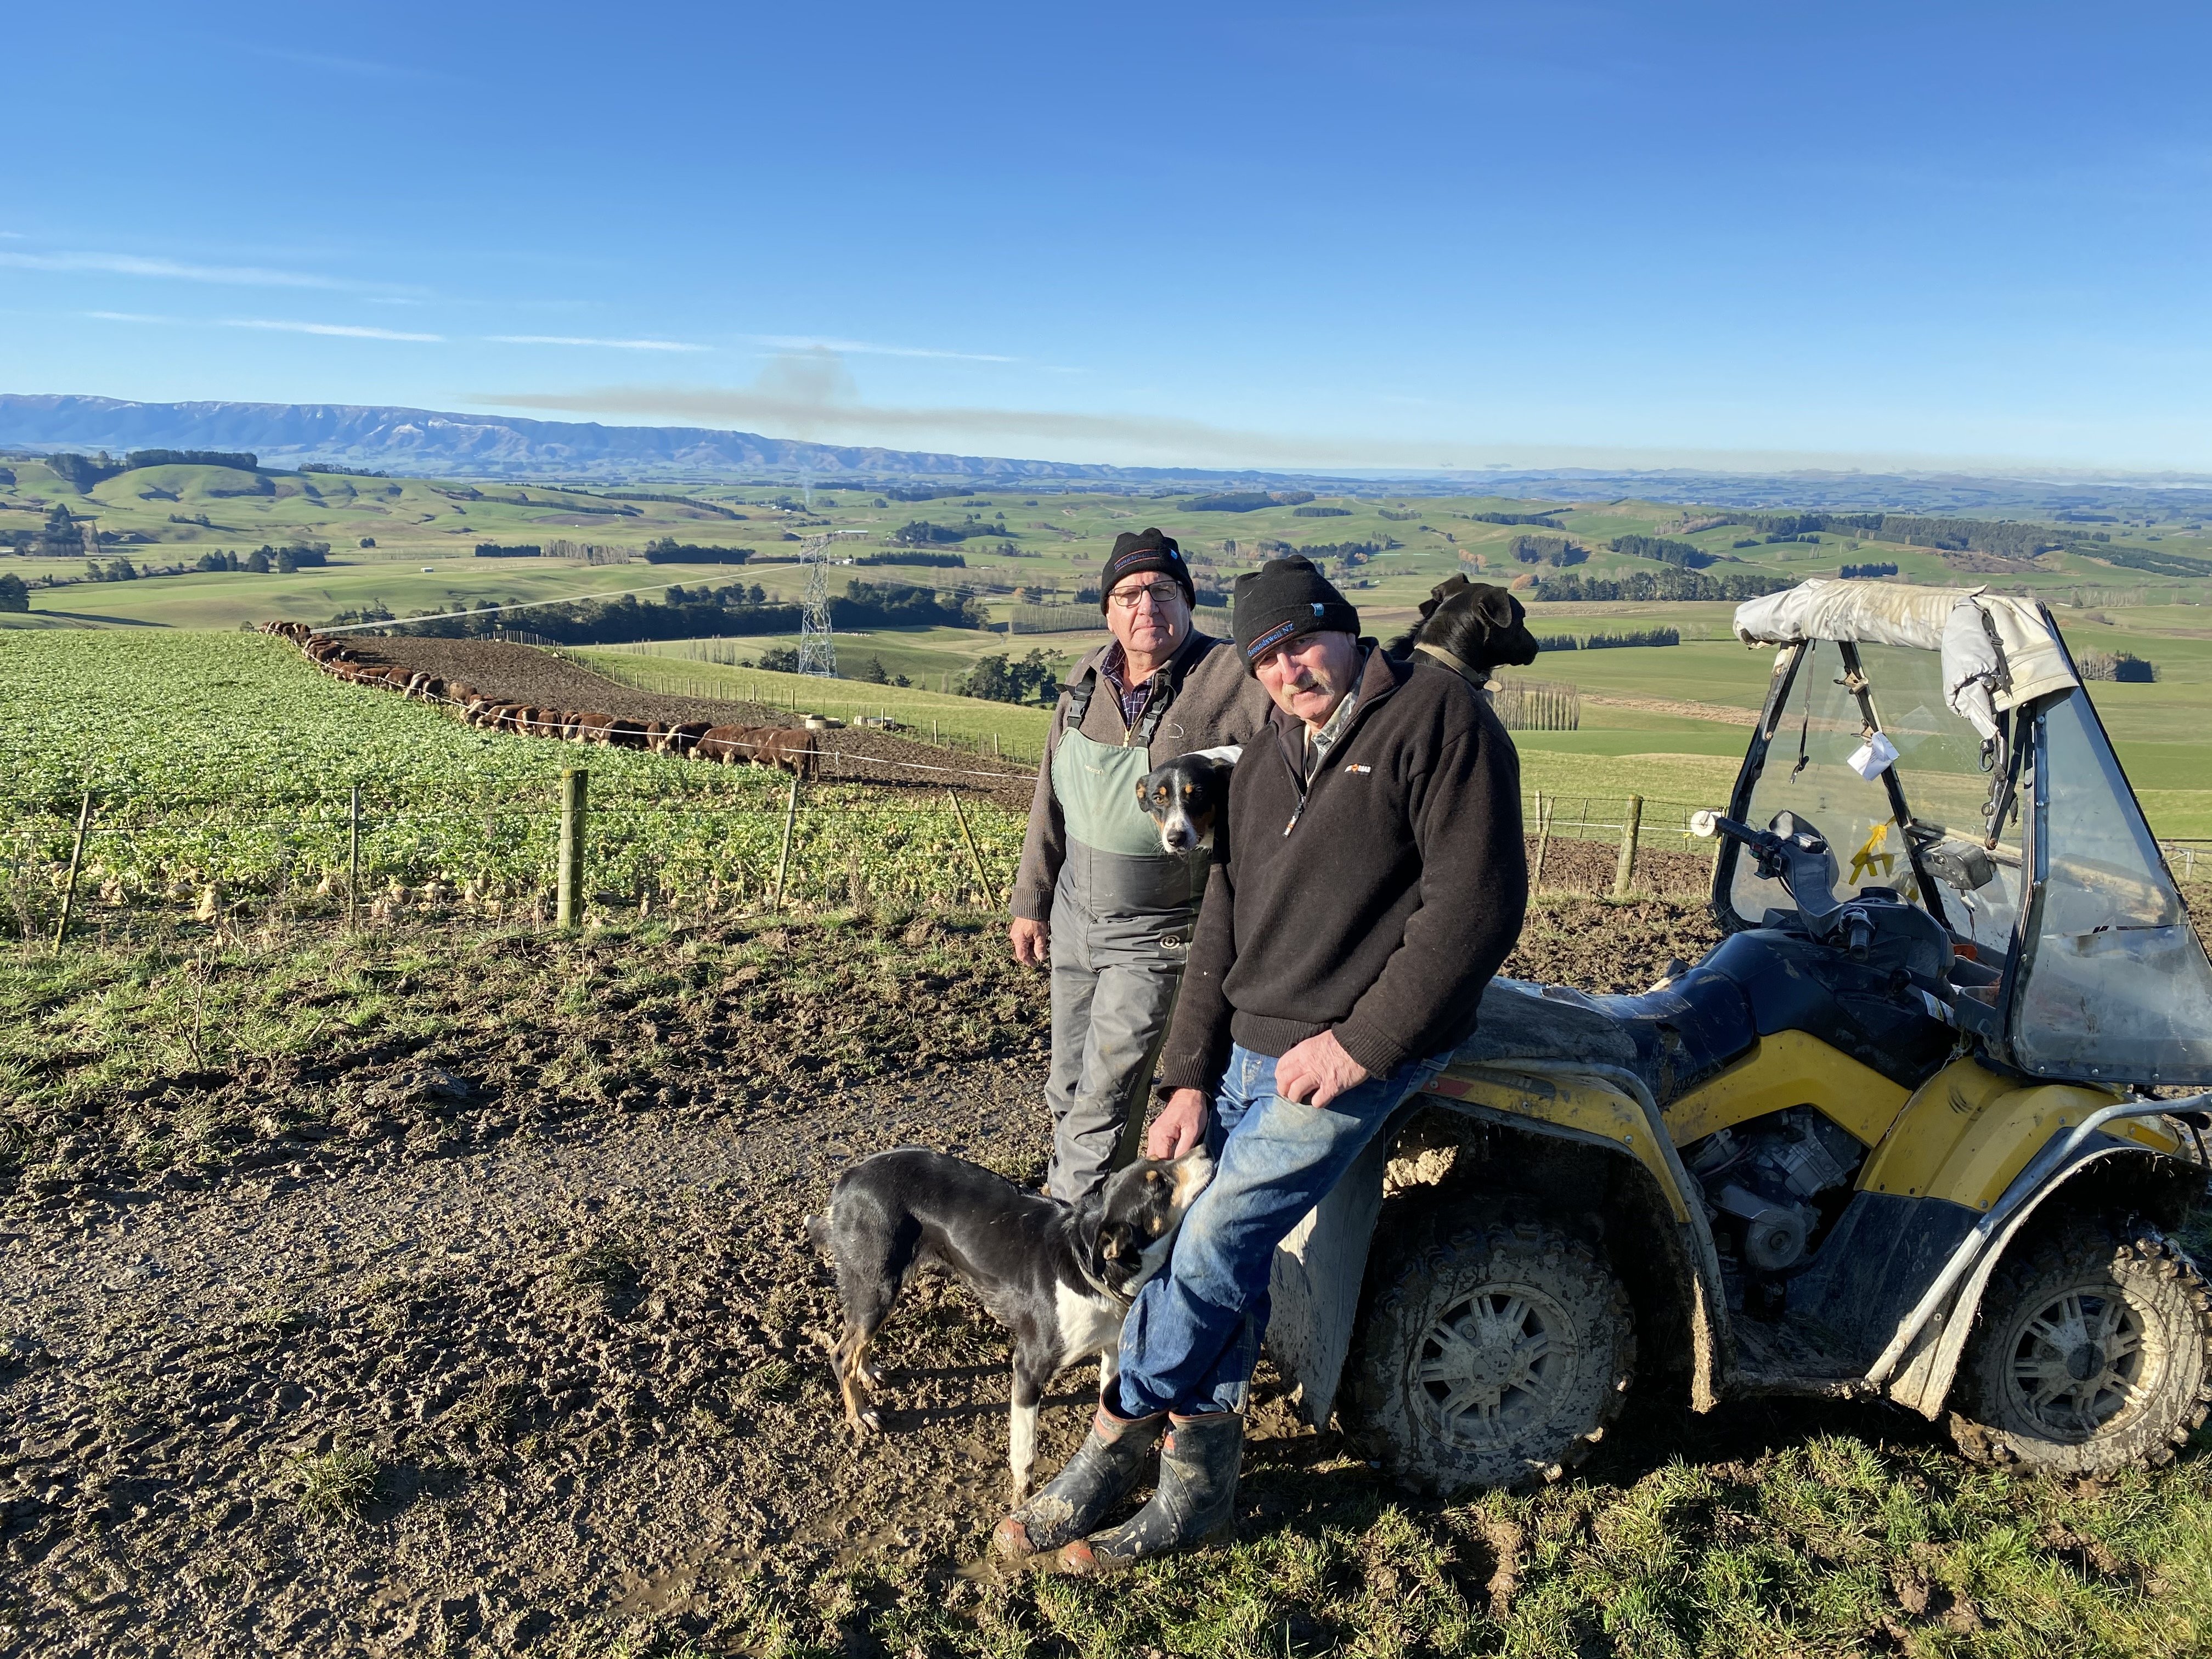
(1412, 235)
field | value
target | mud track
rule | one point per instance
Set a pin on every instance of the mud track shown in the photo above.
(508, 1337)
(522, 673)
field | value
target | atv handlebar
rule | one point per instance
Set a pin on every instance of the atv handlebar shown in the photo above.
(1793, 853)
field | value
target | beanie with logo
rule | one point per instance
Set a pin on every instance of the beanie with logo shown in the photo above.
(1282, 599)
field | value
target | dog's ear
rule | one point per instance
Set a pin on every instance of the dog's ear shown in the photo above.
(1116, 1241)
(1442, 590)
(1089, 1215)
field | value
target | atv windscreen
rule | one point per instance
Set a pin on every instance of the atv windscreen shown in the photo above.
(1988, 796)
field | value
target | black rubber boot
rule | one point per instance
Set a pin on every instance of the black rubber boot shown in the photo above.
(1196, 1499)
(1098, 1476)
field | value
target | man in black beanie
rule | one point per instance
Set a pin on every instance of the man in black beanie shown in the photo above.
(1371, 881)
(1098, 898)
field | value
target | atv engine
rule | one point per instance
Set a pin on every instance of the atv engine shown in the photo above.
(1762, 1180)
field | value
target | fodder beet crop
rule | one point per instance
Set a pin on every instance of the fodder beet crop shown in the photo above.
(224, 763)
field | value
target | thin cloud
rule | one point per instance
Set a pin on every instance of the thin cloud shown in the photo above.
(791, 409)
(132, 265)
(343, 331)
(128, 317)
(585, 340)
(867, 348)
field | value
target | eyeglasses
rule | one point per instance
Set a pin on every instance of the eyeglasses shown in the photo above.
(1160, 593)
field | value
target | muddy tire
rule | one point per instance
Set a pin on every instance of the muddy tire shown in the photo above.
(2089, 1355)
(1489, 1356)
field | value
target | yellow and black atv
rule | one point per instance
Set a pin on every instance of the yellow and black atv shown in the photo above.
(1886, 1140)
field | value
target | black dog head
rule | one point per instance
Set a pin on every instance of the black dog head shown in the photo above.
(1132, 1227)
(1484, 627)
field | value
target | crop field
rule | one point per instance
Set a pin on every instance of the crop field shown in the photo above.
(224, 761)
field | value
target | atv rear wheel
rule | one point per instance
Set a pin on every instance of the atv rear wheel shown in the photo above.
(1489, 1356)
(2090, 1355)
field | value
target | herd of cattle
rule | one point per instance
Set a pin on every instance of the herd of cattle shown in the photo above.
(790, 749)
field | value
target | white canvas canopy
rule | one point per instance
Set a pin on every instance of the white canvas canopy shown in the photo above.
(1983, 637)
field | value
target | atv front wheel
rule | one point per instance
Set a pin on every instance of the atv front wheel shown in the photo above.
(2090, 1355)
(1489, 1356)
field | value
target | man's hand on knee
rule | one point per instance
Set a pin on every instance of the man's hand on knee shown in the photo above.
(1180, 1126)
(1032, 942)
(1317, 1071)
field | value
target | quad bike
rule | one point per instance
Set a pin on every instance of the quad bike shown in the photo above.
(1885, 1141)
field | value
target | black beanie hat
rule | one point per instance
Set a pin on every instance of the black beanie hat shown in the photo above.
(1282, 599)
(1145, 550)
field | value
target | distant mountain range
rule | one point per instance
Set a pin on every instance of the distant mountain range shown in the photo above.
(428, 442)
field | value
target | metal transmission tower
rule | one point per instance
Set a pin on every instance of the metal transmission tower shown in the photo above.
(818, 645)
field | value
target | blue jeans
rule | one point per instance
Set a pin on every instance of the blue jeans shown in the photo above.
(1193, 1334)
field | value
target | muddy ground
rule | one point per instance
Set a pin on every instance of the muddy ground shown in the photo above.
(522, 673)
(487, 1322)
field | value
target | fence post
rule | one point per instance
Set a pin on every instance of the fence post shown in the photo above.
(76, 860)
(783, 858)
(568, 893)
(353, 861)
(1543, 842)
(1627, 868)
(990, 893)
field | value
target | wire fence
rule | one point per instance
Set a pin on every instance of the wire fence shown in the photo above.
(353, 860)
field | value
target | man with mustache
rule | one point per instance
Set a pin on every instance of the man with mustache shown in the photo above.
(1371, 881)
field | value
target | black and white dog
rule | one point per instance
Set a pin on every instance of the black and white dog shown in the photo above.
(1187, 796)
(1059, 1276)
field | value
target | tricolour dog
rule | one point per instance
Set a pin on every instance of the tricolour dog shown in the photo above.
(1058, 1276)
(1187, 796)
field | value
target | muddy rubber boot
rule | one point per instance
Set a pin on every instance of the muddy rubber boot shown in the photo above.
(1196, 1499)
(1098, 1476)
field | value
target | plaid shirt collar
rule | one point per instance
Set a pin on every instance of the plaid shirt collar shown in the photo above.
(1112, 667)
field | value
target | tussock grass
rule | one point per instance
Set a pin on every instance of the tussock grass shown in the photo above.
(335, 1486)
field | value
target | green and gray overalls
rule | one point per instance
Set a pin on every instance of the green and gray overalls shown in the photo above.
(1122, 912)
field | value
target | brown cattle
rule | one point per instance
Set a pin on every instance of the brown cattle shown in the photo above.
(729, 745)
(656, 736)
(625, 734)
(682, 739)
(798, 752)
(593, 727)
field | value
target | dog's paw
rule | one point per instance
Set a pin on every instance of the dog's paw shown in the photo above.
(872, 1376)
(868, 1422)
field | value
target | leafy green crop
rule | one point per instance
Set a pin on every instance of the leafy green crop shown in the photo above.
(226, 760)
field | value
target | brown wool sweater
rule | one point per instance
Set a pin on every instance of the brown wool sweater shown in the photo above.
(1377, 903)
(1217, 701)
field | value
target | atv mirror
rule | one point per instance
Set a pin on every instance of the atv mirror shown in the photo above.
(1704, 823)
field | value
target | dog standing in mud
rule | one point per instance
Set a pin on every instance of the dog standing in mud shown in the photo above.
(1058, 1276)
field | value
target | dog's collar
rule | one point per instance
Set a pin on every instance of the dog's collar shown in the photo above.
(1475, 677)
(1100, 1285)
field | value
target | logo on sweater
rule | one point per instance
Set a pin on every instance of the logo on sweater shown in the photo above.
(1354, 766)
(1266, 641)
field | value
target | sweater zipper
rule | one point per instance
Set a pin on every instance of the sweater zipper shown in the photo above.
(1305, 787)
